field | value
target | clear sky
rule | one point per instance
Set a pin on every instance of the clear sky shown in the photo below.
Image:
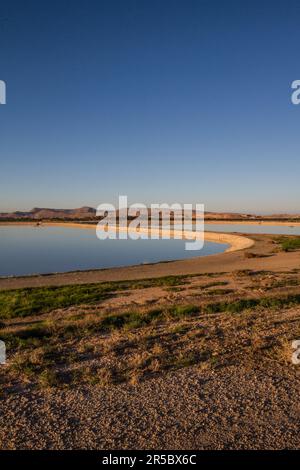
(162, 100)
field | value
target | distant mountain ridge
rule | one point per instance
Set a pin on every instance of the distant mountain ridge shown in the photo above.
(89, 213)
(40, 213)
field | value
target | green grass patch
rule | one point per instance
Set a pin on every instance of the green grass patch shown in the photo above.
(39, 300)
(240, 305)
(133, 320)
(179, 311)
(289, 243)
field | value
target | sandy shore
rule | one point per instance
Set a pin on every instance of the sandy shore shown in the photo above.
(235, 242)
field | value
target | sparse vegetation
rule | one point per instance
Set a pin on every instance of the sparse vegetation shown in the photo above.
(35, 301)
(66, 336)
(220, 292)
(240, 305)
(289, 243)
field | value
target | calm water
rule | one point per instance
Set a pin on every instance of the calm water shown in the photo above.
(254, 228)
(249, 228)
(30, 250)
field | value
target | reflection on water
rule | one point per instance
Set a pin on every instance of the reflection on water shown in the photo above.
(248, 228)
(254, 228)
(28, 250)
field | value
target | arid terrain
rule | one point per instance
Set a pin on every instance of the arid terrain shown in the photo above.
(192, 354)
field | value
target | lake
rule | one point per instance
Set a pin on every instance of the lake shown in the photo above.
(41, 250)
(31, 250)
(254, 228)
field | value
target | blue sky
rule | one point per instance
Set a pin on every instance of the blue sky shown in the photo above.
(164, 101)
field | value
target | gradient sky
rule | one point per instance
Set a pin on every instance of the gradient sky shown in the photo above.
(164, 101)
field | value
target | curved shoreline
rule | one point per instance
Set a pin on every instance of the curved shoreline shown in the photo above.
(235, 242)
(263, 258)
(232, 259)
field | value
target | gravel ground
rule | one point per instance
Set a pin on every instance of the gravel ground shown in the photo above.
(230, 408)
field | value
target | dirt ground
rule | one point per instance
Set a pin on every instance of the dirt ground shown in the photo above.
(232, 408)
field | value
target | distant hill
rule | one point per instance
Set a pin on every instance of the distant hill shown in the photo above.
(39, 213)
(238, 216)
(89, 213)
